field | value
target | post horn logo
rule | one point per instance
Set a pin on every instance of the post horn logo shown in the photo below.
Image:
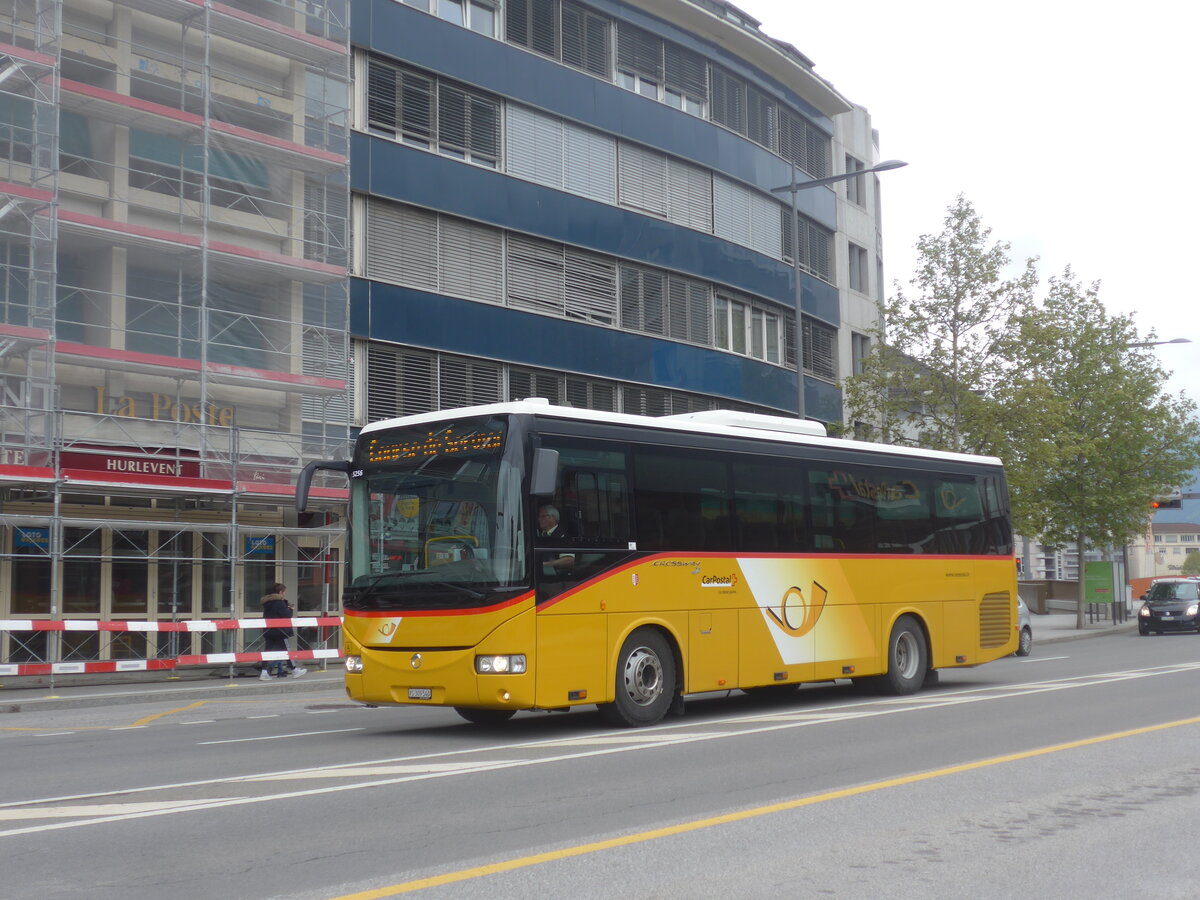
(387, 629)
(798, 616)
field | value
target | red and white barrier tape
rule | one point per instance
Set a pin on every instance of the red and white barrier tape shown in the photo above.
(159, 665)
(185, 625)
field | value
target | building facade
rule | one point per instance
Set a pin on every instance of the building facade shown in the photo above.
(231, 232)
(173, 312)
(575, 200)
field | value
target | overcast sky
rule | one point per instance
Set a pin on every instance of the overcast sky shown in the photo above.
(1066, 124)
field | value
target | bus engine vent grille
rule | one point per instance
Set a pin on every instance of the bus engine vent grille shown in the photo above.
(995, 619)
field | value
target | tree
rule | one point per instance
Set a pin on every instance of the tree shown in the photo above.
(933, 361)
(1088, 436)
(1191, 564)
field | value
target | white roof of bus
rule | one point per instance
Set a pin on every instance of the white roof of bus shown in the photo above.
(786, 432)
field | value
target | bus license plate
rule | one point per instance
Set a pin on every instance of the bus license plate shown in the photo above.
(420, 693)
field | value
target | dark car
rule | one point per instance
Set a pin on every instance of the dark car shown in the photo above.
(1171, 604)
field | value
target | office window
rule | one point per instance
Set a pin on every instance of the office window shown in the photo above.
(820, 350)
(421, 110)
(643, 297)
(747, 217)
(857, 269)
(856, 188)
(533, 24)
(728, 101)
(860, 348)
(639, 61)
(685, 76)
(745, 329)
(478, 15)
(816, 244)
(585, 39)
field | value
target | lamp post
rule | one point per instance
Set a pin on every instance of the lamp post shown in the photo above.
(1158, 343)
(793, 189)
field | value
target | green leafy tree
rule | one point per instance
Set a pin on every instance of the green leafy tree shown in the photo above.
(933, 361)
(1191, 564)
(1087, 433)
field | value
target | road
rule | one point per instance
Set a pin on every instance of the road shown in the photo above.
(1067, 773)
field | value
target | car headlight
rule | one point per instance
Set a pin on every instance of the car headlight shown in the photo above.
(1144, 611)
(1193, 609)
(354, 664)
(513, 664)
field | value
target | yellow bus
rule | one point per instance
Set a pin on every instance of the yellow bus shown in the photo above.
(696, 553)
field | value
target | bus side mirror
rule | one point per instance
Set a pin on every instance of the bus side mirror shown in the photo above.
(306, 476)
(544, 477)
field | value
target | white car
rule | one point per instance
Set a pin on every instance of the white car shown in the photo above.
(1024, 629)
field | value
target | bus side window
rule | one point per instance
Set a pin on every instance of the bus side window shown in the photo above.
(593, 491)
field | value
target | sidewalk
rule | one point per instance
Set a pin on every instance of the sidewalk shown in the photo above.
(147, 687)
(66, 694)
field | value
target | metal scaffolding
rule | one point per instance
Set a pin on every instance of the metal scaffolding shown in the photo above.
(174, 344)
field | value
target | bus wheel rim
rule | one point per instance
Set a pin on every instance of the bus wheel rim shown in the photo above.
(643, 676)
(907, 655)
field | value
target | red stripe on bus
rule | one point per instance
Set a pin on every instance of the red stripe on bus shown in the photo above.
(388, 614)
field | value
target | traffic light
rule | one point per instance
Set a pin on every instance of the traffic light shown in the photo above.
(1173, 503)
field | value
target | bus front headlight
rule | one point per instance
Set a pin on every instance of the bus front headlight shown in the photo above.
(354, 664)
(513, 664)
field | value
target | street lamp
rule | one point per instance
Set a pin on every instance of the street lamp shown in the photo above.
(1158, 343)
(793, 189)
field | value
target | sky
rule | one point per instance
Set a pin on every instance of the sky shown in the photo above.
(1070, 126)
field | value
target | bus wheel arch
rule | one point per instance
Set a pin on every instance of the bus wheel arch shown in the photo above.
(647, 679)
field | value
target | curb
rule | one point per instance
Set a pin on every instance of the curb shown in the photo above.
(1060, 637)
(321, 681)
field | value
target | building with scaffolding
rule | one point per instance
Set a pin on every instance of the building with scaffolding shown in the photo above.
(173, 312)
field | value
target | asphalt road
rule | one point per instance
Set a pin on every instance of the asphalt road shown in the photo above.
(1047, 774)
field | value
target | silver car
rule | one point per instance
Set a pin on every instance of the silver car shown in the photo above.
(1024, 629)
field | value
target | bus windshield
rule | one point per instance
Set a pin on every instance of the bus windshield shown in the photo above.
(437, 514)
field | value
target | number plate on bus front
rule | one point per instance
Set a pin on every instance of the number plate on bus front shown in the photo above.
(420, 693)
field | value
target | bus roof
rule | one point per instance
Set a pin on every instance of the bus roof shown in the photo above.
(722, 422)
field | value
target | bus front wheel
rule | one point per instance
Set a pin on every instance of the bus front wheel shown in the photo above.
(908, 658)
(645, 680)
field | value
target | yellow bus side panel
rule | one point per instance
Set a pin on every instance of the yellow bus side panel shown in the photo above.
(712, 648)
(571, 654)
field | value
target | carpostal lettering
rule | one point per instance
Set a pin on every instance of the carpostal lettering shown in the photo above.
(718, 580)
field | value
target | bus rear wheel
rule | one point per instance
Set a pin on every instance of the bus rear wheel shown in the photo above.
(645, 680)
(478, 716)
(908, 658)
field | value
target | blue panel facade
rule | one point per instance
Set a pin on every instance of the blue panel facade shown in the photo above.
(419, 319)
(388, 169)
(429, 43)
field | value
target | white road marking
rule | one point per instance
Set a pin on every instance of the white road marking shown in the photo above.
(53, 733)
(277, 737)
(375, 771)
(648, 738)
(1033, 659)
(108, 809)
